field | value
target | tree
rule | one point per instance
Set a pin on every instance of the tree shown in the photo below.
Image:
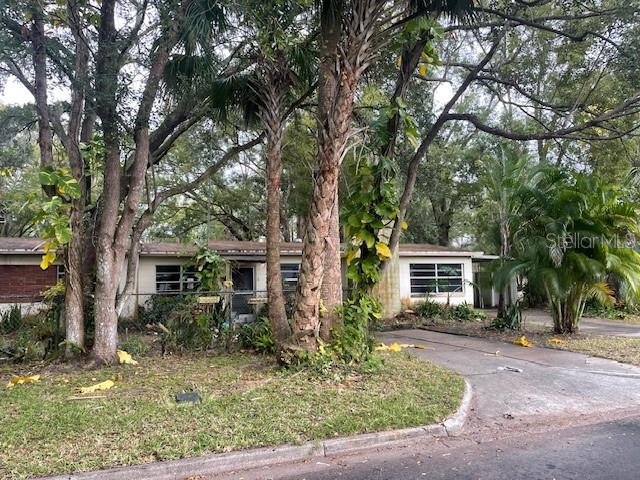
(365, 26)
(576, 244)
(506, 53)
(505, 173)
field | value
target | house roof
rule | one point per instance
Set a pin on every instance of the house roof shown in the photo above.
(233, 249)
(21, 245)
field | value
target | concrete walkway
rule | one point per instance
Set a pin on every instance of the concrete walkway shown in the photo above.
(597, 326)
(528, 382)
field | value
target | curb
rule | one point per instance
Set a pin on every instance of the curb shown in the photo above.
(261, 457)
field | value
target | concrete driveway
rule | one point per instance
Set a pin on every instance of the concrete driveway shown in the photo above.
(531, 383)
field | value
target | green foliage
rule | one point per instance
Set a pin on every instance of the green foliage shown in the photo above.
(437, 311)
(257, 336)
(464, 313)
(619, 310)
(351, 343)
(187, 329)
(134, 345)
(158, 307)
(211, 269)
(11, 320)
(574, 244)
(511, 319)
(53, 218)
(429, 308)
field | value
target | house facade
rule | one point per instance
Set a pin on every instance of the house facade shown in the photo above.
(423, 271)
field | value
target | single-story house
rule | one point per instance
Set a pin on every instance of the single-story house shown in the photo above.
(442, 274)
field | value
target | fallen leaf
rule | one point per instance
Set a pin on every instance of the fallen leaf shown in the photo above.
(523, 342)
(394, 347)
(22, 380)
(124, 357)
(106, 385)
(558, 341)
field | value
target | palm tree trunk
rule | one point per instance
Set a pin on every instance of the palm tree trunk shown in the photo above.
(332, 280)
(332, 141)
(272, 119)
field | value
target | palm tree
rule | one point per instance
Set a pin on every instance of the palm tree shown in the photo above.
(281, 64)
(504, 174)
(351, 34)
(576, 244)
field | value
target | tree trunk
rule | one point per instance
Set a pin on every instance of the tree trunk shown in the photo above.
(106, 318)
(332, 140)
(331, 292)
(45, 133)
(272, 119)
(332, 279)
(74, 291)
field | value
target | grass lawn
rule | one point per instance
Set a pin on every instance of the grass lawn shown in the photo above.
(49, 428)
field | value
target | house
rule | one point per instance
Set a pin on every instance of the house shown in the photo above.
(443, 274)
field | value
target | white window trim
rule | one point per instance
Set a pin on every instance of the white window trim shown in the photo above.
(460, 293)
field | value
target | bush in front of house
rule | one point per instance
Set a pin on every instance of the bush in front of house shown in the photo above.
(429, 309)
(257, 336)
(159, 306)
(511, 319)
(463, 312)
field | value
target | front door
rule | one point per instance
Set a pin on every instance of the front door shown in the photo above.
(243, 288)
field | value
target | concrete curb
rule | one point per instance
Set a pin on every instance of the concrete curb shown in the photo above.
(261, 457)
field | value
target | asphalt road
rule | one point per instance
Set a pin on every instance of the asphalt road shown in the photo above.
(608, 450)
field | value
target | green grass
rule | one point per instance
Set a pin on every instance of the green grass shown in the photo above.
(625, 350)
(246, 402)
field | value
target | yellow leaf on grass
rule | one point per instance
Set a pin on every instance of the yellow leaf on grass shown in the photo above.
(22, 380)
(124, 357)
(394, 347)
(523, 342)
(383, 250)
(558, 341)
(106, 385)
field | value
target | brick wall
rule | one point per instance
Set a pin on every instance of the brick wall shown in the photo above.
(24, 283)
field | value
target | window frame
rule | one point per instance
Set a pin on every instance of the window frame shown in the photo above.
(186, 277)
(286, 282)
(436, 277)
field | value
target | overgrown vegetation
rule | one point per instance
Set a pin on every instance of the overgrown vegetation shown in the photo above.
(435, 311)
(511, 318)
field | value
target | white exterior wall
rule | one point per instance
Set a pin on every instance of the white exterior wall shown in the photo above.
(455, 298)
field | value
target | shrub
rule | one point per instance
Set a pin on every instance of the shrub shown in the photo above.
(134, 345)
(465, 313)
(257, 336)
(159, 306)
(351, 343)
(510, 320)
(429, 309)
(11, 320)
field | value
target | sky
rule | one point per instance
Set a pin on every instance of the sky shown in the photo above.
(15, 94)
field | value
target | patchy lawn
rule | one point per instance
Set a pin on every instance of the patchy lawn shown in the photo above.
(621, 349)
(49, 428)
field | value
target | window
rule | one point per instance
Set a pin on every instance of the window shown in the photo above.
(60, 271)
(176, 278)
(435, 278)
(289, 273)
